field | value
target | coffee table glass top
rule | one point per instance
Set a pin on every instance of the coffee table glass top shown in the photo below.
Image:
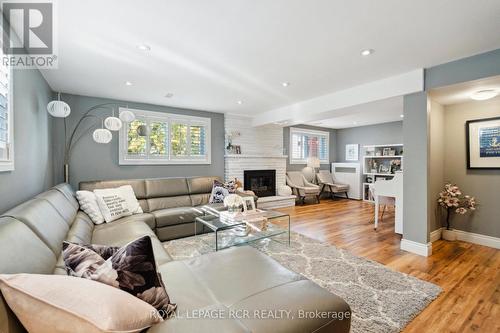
(232, 233)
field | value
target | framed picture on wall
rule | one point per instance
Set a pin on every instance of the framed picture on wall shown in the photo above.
(483, 143)
(352, 152)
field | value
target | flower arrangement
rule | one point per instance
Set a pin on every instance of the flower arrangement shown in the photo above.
(452, 199)
(233, 202)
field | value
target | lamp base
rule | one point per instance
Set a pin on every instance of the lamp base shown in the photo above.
(66, 173)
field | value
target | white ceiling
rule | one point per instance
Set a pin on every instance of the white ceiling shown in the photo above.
(382, 111)
(460, 93)
(210, 54)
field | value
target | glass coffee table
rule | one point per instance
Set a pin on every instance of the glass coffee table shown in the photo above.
(229, 233)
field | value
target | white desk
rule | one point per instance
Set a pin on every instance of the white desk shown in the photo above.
(391, 188)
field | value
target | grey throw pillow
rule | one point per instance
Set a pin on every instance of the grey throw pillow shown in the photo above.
(131, 268)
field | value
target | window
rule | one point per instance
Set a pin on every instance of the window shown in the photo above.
(308, 143)
(6, 120)
(162, 138)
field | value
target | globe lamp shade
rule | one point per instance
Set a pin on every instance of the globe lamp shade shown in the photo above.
(113, 123)
(58, 109)
(127, 116)
(102, 135)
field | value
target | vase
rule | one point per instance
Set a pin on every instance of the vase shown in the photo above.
(449, 235)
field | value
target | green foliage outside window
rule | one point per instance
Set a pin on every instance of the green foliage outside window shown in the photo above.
(136, 143)
(179, 139)
(158, 144)
(183, 141)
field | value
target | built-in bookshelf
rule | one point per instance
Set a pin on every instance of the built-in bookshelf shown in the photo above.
(380, 162)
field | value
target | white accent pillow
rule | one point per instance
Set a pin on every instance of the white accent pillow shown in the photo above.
(112, 204)
(60, 303)
(88, 203)
(129, 196)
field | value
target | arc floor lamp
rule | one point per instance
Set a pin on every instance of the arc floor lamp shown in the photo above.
(102, 134)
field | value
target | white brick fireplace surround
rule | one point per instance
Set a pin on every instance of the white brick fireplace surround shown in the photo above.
(261, 149)
(236, 164)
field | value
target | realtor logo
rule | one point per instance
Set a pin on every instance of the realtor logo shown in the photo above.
(28, 34)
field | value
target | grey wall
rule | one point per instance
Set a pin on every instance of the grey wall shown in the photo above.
(387, 133)
(32, 135)
(436, 162)
(286, 145)
(418, 215)
(415, 134)
(463, 70)
(483, 184)
(92, 161)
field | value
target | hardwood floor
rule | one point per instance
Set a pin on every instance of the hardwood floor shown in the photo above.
(469, 274)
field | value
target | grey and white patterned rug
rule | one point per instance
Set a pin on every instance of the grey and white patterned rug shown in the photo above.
(382, 300)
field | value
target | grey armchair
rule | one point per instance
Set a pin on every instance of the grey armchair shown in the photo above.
(328, 184)
(301, 187)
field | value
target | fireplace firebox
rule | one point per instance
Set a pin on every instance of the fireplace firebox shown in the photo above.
(262, 182)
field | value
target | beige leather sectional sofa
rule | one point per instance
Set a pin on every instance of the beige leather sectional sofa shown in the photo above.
(237, 281)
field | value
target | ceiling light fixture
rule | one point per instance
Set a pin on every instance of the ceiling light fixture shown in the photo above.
(239, 102)
(483, 95)
(355, 122)
(128, 83)
(144, 47)
(169, 95)
(285, 84)
(402, 115)
(367, 52)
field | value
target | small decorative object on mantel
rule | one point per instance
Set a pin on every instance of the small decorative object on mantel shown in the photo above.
(230, 148)
(483, 143)
(452, 199)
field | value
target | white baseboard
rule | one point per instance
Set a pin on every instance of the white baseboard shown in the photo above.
(470, 237)
(417, 248)
(436, 235)
(478, 239)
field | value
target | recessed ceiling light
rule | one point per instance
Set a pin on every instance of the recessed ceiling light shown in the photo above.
(144, 47)
(482, 95)
(402, 115)
(128, 83)
(367, 52)
(285, 84)
(239, 102)
(169, 95)
(355, 122)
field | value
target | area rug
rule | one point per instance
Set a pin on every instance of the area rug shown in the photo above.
(381, 300)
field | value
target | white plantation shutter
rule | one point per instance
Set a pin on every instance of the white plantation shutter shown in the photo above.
(6, 120)
(171, 139)
(308, 143)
